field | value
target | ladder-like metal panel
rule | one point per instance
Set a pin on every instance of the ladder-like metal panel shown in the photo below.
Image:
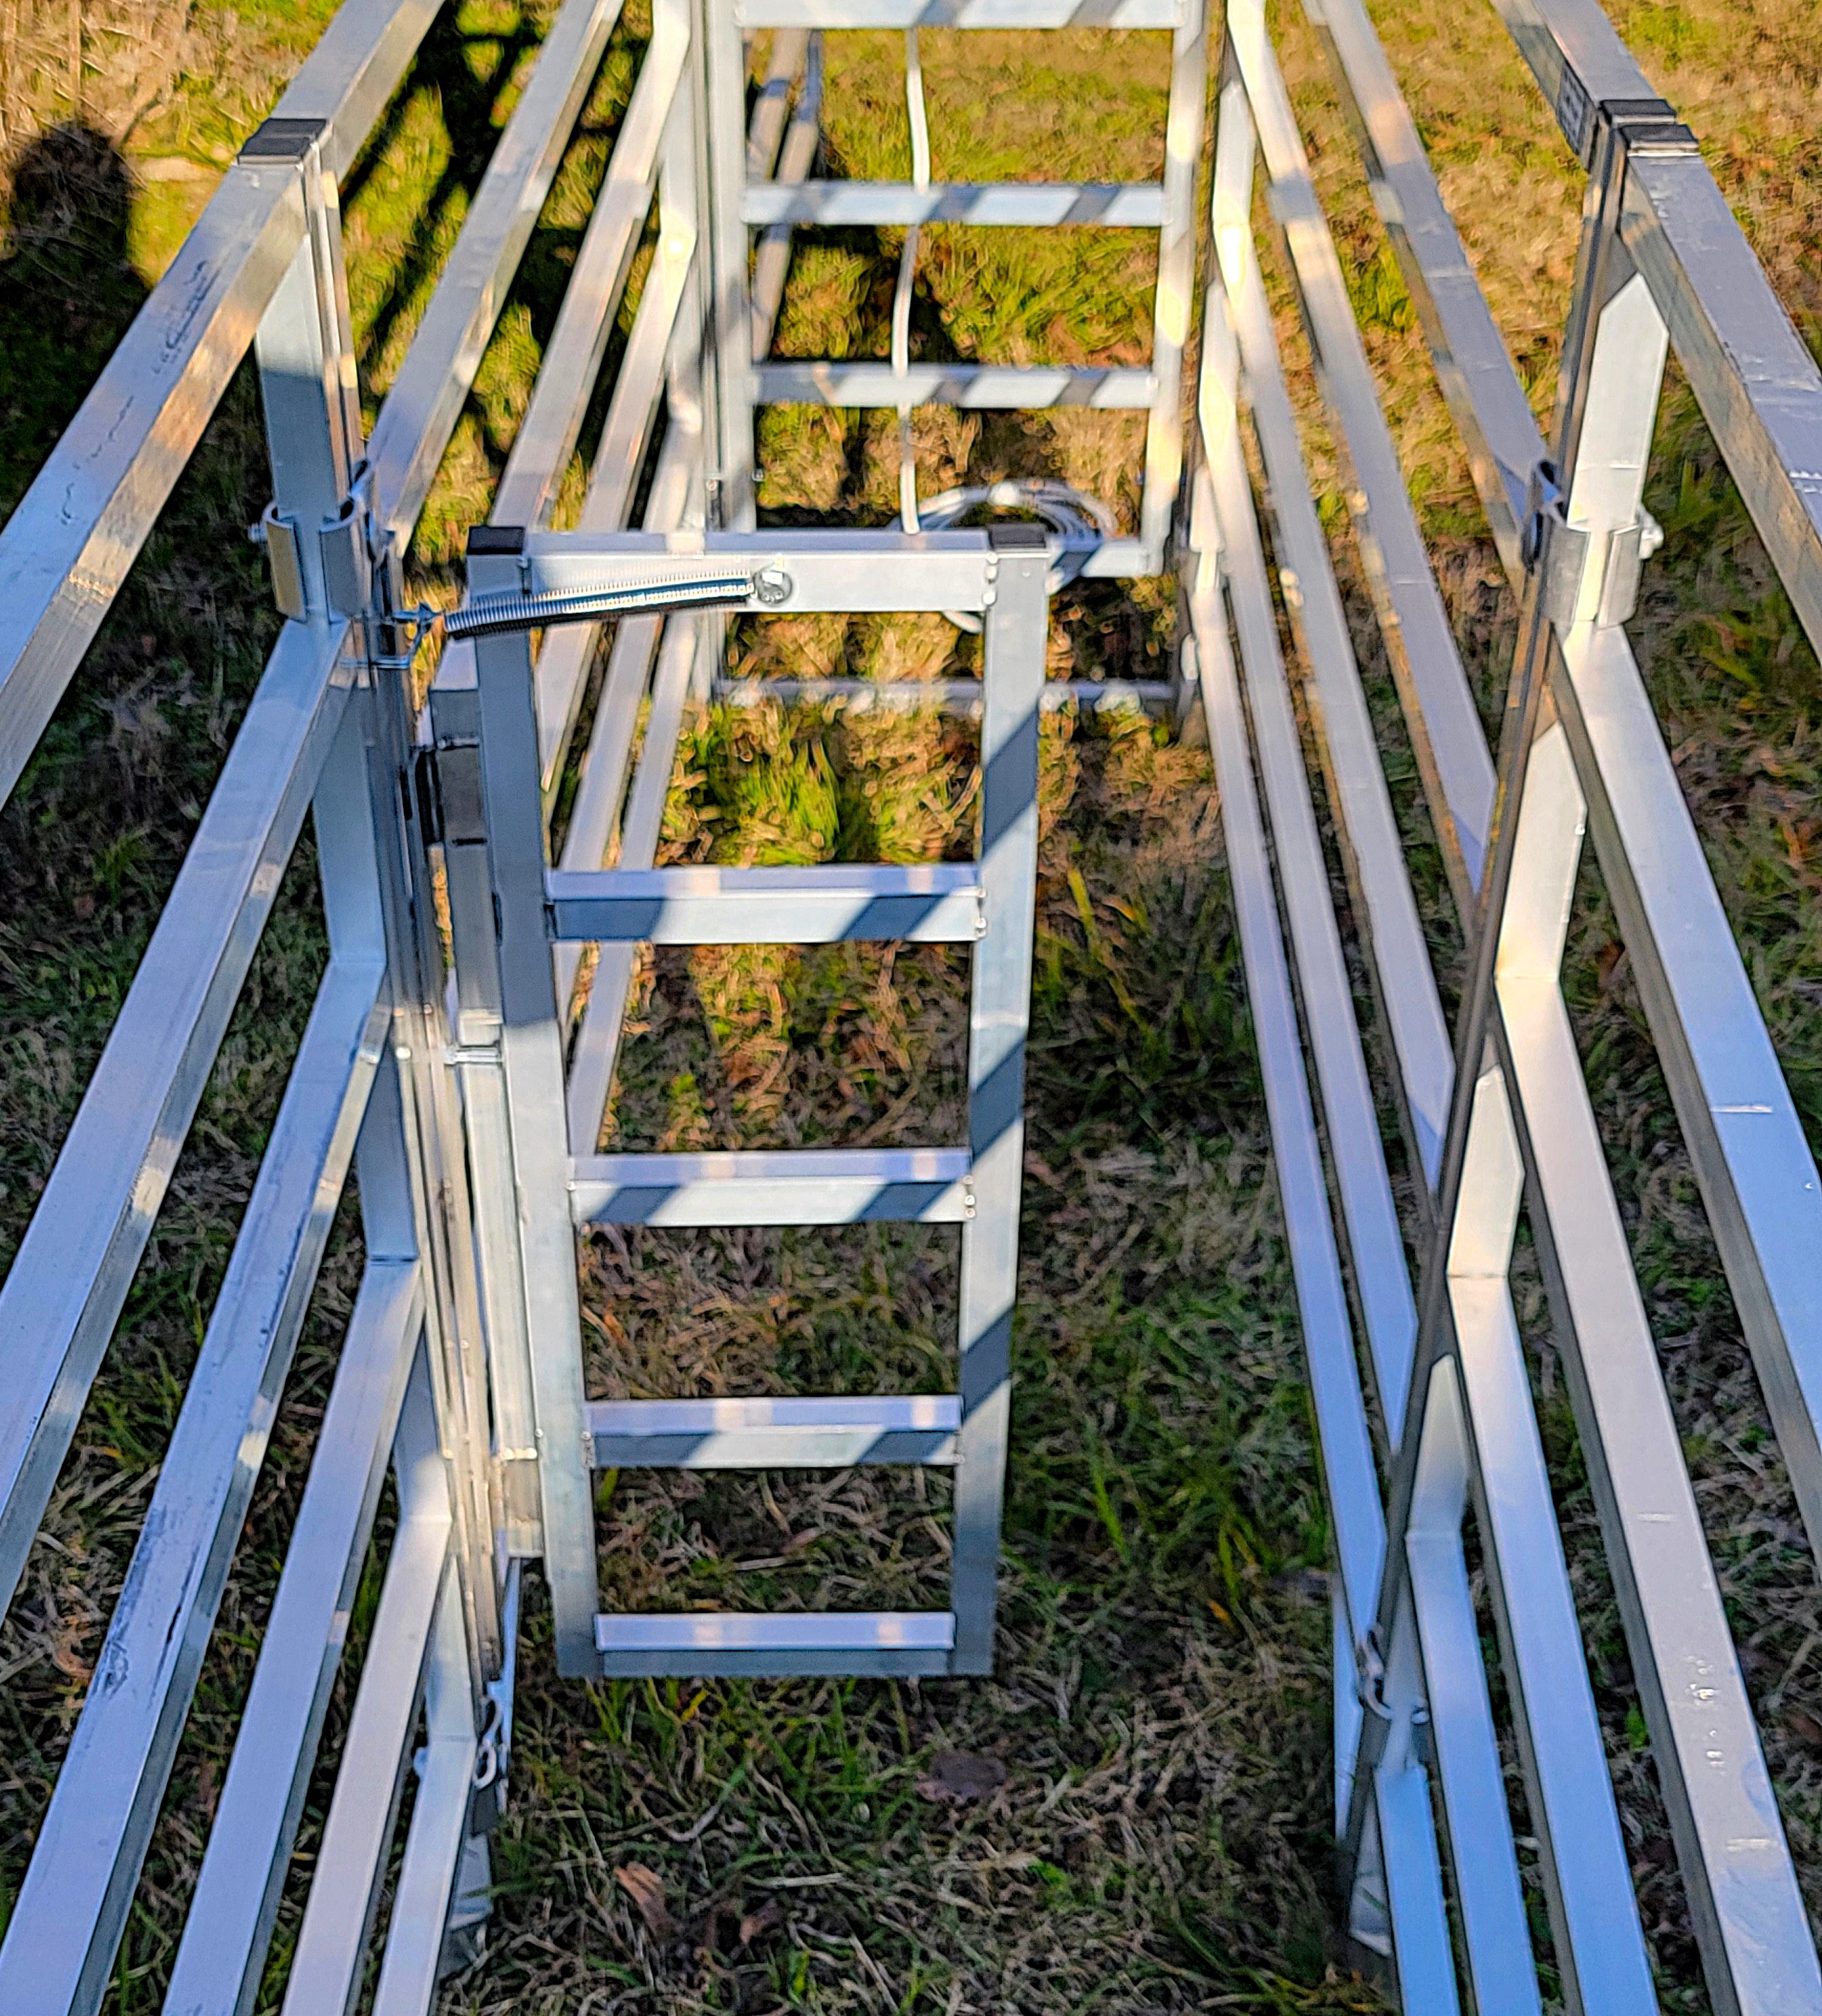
(987, 905)
(741, 199)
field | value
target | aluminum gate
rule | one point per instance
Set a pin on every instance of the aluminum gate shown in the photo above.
(465, 1078)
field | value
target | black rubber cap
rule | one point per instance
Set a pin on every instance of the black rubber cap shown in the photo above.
(496, 539)
(282, 139)
(1016, 538)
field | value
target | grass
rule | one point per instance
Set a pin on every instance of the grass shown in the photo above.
(1151, 1835)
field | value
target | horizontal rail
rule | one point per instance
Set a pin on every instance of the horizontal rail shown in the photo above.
(936, 903)
(601, 789)
(625, 436)
(975, 387)
(420, 412)
(1372, 847)
(69, 1281)
(597, 1044)
(69, 543)
(1328, 1342)
(346, 80)
(961, 696)
(1375, 1239)
(775, 1187)
(328, 1961)
(412, 1964)
(1490, 410)
(1407, 1836)
(847, 570)
(1138, 206)
(546, 437)
(1714, 1778)
(1751, 1158)
(1752, 373)
(960, 13)
(704, 1644)
(236, 1901)
(1444, 725)
(763, 1434)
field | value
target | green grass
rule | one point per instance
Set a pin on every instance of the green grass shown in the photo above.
(1161, 1705)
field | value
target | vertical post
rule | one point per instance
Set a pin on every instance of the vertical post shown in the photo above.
(305, 354)
(306, 364)
(1176, 283)
(730, 501)
(531, 1062)
(456, 725)
(1533, 852)
(1017, 623)
(695, 406)
(311, 396)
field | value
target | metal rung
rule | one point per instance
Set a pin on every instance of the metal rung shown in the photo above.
(999, 387)
(961, 696)
(703, 1644)
(960, 13)
(766, 1434)
(786, 1186)
(1138, 206)
(933, 903)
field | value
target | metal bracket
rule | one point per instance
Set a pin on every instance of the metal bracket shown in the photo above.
(1559, 552)
(1641, 125)
(446, 783)
(344, 548)
(277, 534)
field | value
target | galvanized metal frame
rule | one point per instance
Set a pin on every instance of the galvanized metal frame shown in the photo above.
(1662, 264)
(512, 1028)
(744, 199)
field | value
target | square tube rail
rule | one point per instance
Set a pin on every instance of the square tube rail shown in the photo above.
(1663, 267)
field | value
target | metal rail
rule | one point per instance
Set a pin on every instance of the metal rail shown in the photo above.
(330, 721)
(449, 1372)
(1506, 1120)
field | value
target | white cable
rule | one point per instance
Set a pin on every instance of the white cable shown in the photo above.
(919, 119)
(1079, 522)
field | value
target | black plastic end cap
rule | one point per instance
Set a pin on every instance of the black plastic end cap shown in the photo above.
(282, 139)
(1016, 538)
(495, 539)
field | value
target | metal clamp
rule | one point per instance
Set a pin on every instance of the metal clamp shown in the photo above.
(344, 553)
(1559, 553)
(277, 533)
